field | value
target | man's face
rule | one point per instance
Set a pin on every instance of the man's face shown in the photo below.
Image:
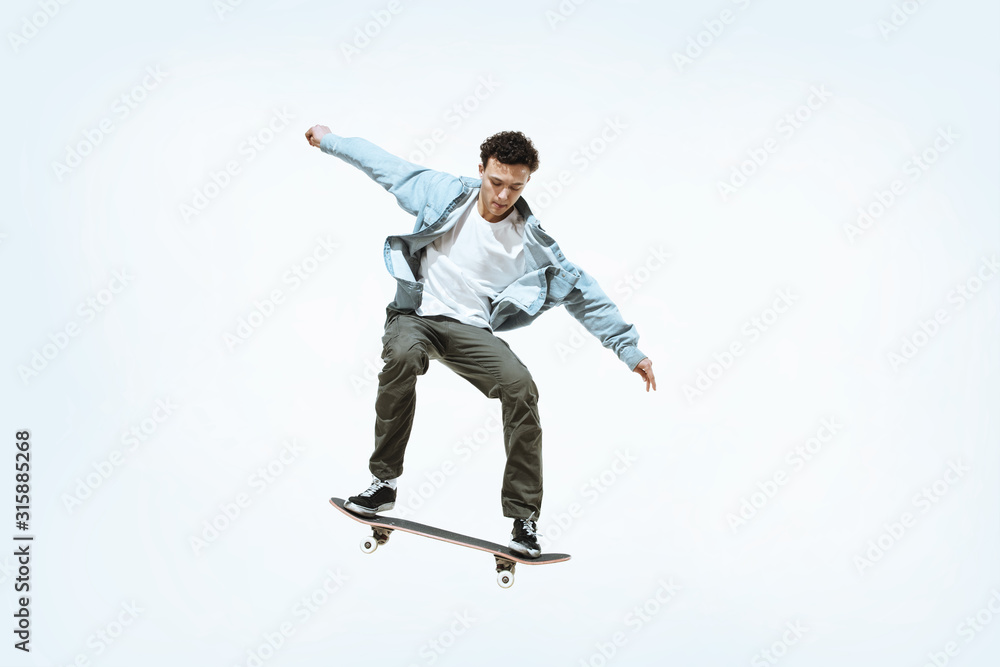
(502, 186)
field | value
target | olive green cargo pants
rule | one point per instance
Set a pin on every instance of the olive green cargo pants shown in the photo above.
(483, 359)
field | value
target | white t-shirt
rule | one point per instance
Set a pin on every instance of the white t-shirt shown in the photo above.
(466, 268)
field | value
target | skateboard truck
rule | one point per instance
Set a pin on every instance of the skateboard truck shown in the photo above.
(505, 571)
(379, 537)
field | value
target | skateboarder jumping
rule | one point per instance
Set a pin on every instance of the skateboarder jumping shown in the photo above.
(477, 262)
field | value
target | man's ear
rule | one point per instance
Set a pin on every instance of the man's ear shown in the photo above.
(480, 168)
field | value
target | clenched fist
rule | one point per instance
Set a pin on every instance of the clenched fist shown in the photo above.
(315, 134)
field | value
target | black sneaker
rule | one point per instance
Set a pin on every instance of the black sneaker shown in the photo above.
(524, 538)
(379, 497)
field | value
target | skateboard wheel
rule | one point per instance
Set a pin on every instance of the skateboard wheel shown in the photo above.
(369, 544)
(505, 578)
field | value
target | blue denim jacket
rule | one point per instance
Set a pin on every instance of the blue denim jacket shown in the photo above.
(436, 199)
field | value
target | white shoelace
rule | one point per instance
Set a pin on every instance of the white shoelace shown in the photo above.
(376, 485)
(529, 527)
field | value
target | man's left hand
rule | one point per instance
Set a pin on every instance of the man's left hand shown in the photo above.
(645, 370)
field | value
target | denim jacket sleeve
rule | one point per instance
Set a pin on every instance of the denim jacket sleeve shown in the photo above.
(411, 184)
(588, 303)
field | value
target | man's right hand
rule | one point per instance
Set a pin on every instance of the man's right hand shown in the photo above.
(315, 134)
(645, 370)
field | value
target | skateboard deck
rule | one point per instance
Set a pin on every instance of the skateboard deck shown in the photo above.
(382, 527)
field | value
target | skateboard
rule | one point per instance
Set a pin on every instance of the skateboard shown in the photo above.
(506, 560)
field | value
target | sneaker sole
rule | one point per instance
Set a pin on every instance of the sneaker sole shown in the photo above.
(367, 511)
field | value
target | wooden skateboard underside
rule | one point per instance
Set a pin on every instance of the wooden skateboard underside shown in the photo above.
(383, 525)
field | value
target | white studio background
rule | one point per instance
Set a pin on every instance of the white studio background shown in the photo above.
(795, 203)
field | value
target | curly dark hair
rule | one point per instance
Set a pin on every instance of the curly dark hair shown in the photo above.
(510, 148)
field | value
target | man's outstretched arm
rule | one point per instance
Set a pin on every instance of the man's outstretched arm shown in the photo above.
(409, 183)
(589, 304)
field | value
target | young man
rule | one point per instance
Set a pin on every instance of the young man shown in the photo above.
(477, 262)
